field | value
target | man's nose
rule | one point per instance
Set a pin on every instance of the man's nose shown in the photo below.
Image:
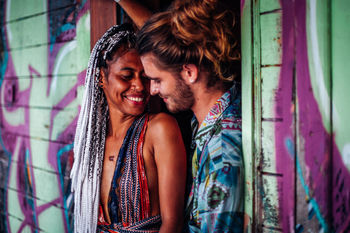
(154, 88)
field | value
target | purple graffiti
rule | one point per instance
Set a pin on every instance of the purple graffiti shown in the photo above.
(321, 161)
(16, 137)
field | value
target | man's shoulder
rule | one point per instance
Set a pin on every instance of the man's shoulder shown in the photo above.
(230, 124)
(225, 147)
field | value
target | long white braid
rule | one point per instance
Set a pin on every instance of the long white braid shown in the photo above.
(90, 133)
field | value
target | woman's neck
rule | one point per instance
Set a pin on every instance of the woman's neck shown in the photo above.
(119, 123)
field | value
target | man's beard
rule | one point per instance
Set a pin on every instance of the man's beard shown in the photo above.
(182, 99)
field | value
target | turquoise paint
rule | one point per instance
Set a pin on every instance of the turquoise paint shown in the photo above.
(64, 28)
(30, 200)
(290, 147)
(59, 154)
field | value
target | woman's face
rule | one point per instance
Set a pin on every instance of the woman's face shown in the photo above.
(126, 87)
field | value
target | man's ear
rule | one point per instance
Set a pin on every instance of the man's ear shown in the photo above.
(189, 73)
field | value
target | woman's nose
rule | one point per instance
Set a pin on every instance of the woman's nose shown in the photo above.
(138, 84)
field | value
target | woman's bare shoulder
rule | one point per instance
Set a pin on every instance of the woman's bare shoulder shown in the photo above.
(161, 120)
(163, 125)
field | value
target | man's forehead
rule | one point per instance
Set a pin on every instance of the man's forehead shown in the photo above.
(149, 58)
(150, 65)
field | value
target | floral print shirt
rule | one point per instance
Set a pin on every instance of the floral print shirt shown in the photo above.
(216, 199)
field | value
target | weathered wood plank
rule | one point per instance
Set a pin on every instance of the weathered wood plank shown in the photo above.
(99, 25)
(62, 90)
(269, 87)
(271, 38)
(340, 73)
(267, 161)
(43, 155)
(45, 184)
(269, 201)
(269, 5)
(271, 230)
(67, 61)
(33, 31)
(45, 219)
(45, 124)
(19, 9)
(247, 116)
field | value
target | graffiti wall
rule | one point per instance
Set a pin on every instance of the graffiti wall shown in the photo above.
(45, 46)
(300, 135)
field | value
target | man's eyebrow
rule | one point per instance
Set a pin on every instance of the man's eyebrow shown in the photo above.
(150, 78)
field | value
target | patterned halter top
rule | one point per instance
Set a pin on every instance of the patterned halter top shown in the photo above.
(128, 203)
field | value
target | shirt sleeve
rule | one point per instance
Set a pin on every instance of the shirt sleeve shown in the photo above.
(221, 200)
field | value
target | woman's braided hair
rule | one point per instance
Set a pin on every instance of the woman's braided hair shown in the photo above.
(91, 129)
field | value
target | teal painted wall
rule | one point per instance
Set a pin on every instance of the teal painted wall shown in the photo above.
(45, 46)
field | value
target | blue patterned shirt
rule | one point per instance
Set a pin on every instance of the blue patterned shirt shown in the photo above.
(216, 200)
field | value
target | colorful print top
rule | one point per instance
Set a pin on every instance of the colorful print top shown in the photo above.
(216, 199)
(128, 202)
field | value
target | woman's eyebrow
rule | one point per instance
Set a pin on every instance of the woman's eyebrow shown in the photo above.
(127, 68)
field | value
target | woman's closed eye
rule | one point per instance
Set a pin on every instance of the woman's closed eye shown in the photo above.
(127, 75)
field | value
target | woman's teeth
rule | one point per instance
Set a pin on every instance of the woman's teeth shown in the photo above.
(136, 99)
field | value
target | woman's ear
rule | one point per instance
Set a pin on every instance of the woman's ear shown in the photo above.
(189, 73)
(102, 79)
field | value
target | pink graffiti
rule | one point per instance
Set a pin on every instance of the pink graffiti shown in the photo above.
(19, 135)
(322, 162)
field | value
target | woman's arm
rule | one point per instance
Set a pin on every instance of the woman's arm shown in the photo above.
(137, 12)
(170, 157)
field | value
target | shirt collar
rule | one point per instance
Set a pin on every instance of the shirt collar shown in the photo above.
(215, 112)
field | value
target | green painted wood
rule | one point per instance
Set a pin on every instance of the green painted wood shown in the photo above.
(267, 58)
(38, 160)
(69, 63)
(341, 77)
(267, 162)
(27, 25)
(340, 63)
(247, 116)
(257, 113)
(40, 121)
(318, 43)
(269, 87)
(269, 194)
(271, 40)
(47, 220)
(19, 8)
(270, 230)
(46, 186)
(269, 5)
(64, 84)
(23, 30)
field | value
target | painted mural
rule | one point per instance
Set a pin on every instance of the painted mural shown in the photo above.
(301, 168)
(301, 111)
(316, 144)
(45, 47)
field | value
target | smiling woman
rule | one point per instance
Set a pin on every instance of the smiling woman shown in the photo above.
(130, 166)
(124, 83)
